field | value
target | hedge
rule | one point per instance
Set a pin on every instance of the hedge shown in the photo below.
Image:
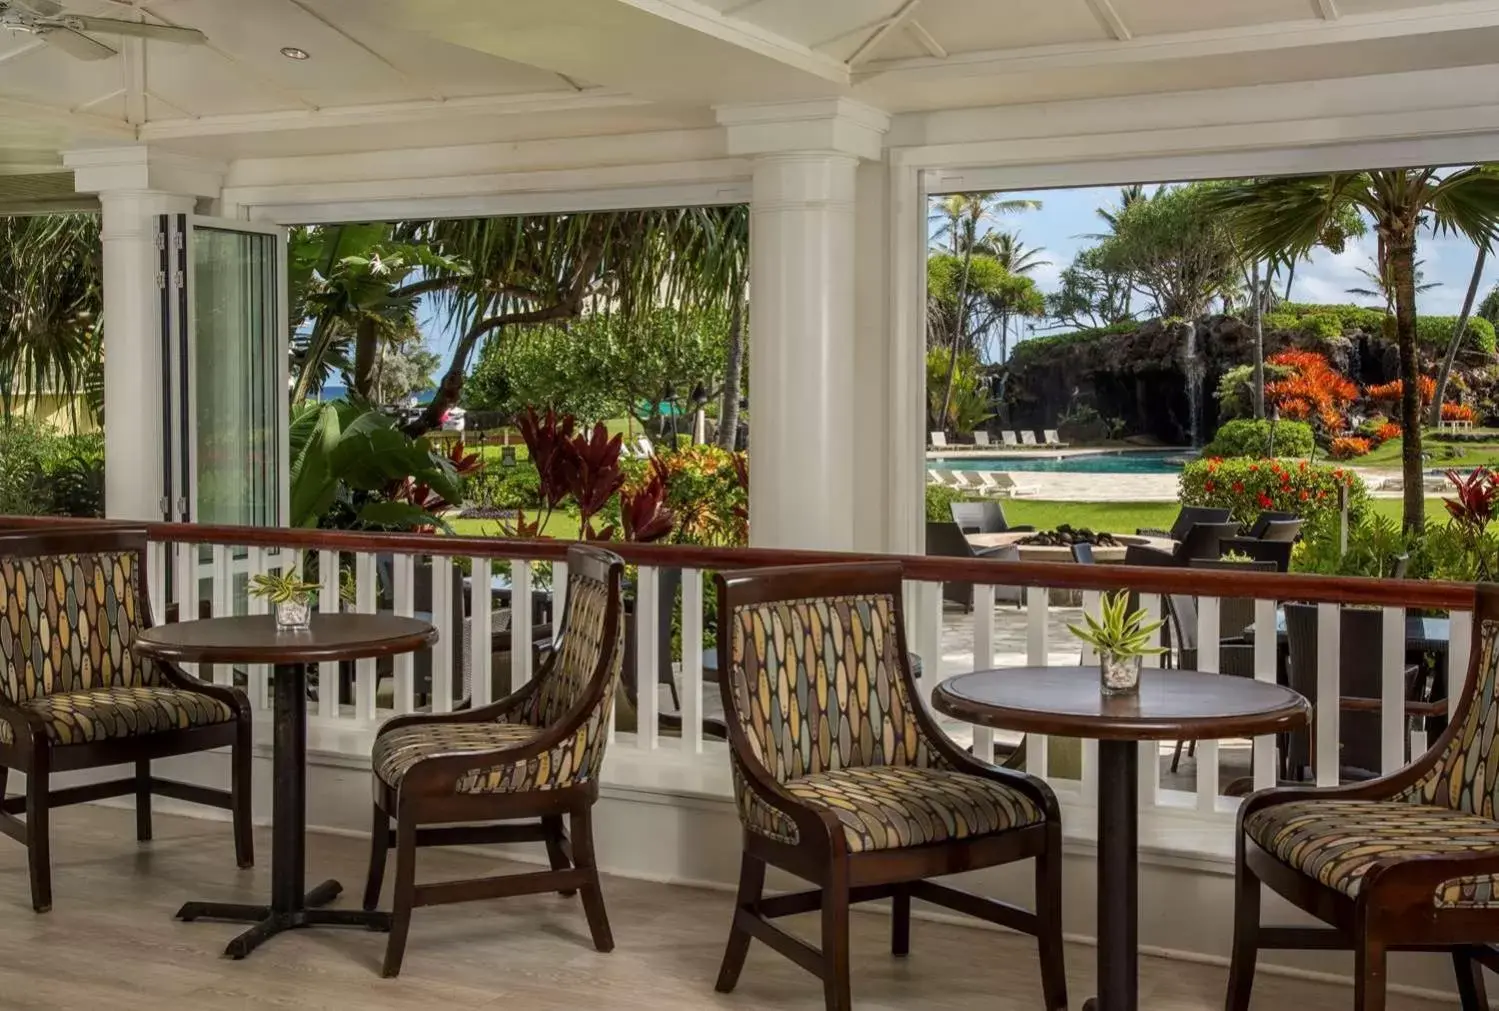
(1038, 346)
(1251, 437)
(1250, 487)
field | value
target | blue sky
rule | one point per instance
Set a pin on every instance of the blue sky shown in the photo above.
(1067, 217)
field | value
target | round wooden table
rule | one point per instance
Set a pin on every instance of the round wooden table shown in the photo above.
(332, 637)
(1172, 705)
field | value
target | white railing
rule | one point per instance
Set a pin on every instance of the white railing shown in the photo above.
(210, 569)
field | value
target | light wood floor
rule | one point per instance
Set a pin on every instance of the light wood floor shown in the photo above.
(111, 943)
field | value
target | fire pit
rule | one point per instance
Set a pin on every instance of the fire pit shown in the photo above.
(1065, 536)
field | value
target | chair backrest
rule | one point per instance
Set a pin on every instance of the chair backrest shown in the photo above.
(1139, 554)
(1205, 540)
(1052, 438)
(73, 602)
(814, 670)
(1190, 516)
(1082, 553)
(939, 439)
(1360, 667)
(979, 517)
(981, 438)
(1281, 531)
(946, 540)
(1009, 439)
(1028, 438)
(1264, 519)
(1398, 566)
(1235, 614)
(578, 682)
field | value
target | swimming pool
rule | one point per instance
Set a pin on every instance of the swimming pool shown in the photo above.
(1152, 462)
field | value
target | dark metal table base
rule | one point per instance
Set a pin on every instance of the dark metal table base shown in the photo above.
(1118, 878)
(291, 906)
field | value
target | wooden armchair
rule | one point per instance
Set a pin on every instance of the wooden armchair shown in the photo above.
(73, 695)
(844, 780)
(534, 755)
(1409, 861)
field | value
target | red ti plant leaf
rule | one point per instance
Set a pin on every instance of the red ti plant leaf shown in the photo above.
(1473, 507)
(548, 438)
(522, 528)
(462, 461)
(644, 515)
(593, 474)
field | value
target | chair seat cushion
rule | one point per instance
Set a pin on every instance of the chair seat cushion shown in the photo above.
(1335, 842)
(105, 713)
(398, 751)
(891, 807)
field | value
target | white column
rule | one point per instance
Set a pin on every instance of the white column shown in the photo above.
(802, 349)
(135, 186)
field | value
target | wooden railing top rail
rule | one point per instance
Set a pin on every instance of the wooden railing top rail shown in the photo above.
(1060, 575)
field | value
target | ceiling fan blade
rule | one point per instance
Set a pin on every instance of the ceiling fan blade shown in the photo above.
(136, 29)
(75, 44)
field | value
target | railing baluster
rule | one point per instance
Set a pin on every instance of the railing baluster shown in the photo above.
(443, 650)
(692, 661)
(647, 690)
(366, 593)
(983, 658)
(259, 673)
(559, 595)
(1329, 693)
(481, 633)
(1092, 604)
(187, 582)
(1037, 605)
(403, 600)
(1209, 661)
(1150, 751)
(520, 623)
(1459, 650)
(1392, 720)
(928, 597)
(156, 580)
(328, 603)
(222, 603)
(1266, 650)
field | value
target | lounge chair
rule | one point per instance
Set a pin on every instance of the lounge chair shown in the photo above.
(939, 440)
(981, 439)
(1028, 438)
(932, 478)
(1053, 439)
(948, 479)
(1000, 483)
(1009, 439)
(646, 447)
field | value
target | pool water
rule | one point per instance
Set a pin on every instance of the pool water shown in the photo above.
(1153, 462)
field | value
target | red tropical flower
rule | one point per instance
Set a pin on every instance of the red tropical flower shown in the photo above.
(1209, 486)
(1238, 487)
(1265, 501)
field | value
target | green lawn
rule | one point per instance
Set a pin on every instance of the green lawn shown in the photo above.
(1440, 454)
(1127, 517)
(563, 526)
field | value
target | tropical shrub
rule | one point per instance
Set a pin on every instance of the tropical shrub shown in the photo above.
(939, 500)
(1346, 447)
(1374, 542)
(1322, 326)
(1236, 389)
(1314, 390)
(1387, 431)
(25, 447)
(1248, 487)
(1437, 331)
(707, 488)
(1458, 412)
(75, 476)
(1247, 437)
(1392, 391)
(1350, 317)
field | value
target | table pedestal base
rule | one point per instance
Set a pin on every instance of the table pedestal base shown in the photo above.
(268, 922)
(1118, 877)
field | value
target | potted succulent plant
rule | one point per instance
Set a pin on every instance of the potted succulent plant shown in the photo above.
(1122, 639)
(290, 596)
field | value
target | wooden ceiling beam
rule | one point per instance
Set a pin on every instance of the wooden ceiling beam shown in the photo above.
(896, 22)
(1109, 18)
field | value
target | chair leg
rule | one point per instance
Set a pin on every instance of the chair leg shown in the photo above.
(835, 983)
(379, 847)
(593, 895)
(405, 895)
(38, 842)
(1470, 988)
(751, 884)
(900, 921)
(241, 780)
(143, 800)
(1369, 975)
(1049, 922)
(558, 850)
(1176, 757)
(1246, 935)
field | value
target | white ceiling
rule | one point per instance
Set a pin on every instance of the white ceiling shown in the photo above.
(415, 73)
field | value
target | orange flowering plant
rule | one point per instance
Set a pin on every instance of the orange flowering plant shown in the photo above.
(1314, 389)
(1249, 487)
(1346, 447)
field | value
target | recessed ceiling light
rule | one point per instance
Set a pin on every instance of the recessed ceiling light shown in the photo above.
(293, 53)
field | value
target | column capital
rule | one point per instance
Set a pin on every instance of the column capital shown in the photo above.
(141, 169)
(834, 126)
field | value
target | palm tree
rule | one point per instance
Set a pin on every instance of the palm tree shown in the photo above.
(51, 303)
(1279, 217)
(1383, 288)
(1458, 331)
(1127, 195)
(1011, 253)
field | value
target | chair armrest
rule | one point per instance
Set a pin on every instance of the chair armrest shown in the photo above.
(988, 552)
(485, 714)
(232, 697)
(1151, 532)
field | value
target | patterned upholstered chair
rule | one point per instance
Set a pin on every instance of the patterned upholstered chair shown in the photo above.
(74, 696)
(844, 780)
(1410, 860)
(534, 755)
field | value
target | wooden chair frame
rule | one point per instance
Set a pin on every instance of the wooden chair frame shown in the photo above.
(33, 753)
(428, 797)
(1395, 908)
(822, 856)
